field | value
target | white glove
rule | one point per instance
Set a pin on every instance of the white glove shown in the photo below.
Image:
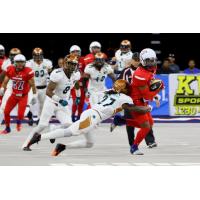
(34, 99)
(2, 91)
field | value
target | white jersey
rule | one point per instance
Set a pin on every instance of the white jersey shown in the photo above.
(122, 59)
(64, 84)
(6, 64)
(40, 70)
(111, 104)
(97, 78)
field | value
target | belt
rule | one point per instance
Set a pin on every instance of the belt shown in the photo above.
(41, 87)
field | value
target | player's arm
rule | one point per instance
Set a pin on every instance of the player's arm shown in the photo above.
(32, 85)
(2, 76)
(50, 88)
(4, 85)
(112, 76)
(139, 109)
(85, 77)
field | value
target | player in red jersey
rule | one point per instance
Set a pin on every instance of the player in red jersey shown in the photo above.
(22, 79)
(2, 56)
(141, 94)
(95, 47)
(78, 99)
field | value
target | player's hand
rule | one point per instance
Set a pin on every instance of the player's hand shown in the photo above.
(149, 108)
(63, 102)
(77, 100)
(1, 91)
(157, 103)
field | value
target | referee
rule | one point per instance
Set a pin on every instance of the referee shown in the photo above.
(127, 75)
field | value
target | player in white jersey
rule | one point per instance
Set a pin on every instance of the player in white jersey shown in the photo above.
(41, 67)
(57, 95)
(113, 101)
(122, 56)
(13, 52)
(97, 72)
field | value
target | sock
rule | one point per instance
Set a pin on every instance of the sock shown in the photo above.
(1, 116)
(141, 134)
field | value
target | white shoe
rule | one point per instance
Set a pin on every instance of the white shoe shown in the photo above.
(138, 152)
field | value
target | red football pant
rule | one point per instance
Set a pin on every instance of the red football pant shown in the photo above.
(137, 121)
(80, 106)
(11, 103)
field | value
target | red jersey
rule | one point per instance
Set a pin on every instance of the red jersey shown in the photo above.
(141, 77)
(1, 62)
(20, 80)
(89, 59)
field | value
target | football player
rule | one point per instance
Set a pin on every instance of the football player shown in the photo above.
(57, 95)
(141, 94)
(95, 47)
(22, 80)
(41, 67)
(113, 101)
(122, 56)
(78, 102)
(10, 61)
(97, 72)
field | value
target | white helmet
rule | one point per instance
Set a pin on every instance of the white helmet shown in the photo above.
(19, 58)
(148, 57)
(94, 44)
(2, 47)
(74, 48)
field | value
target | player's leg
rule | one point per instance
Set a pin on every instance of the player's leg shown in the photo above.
(30, 106)
(150, 138)
(74, 106)
(21, 110)
(44, 121)
(82, 102)
(129, 129)
(11, 103)
(84, 125)
(41, 100)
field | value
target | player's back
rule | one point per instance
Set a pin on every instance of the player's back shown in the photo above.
(111, 103)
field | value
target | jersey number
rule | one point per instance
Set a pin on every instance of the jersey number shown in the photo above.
(66, 90)
(39, 73)
(18, 85)
(100, 79)
(111, 101)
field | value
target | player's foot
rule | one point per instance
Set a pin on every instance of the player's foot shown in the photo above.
(35, 139)
(52, 140)
(5, 131)
(59, 148)
(135, 151)
(37, 121)
(18, 127)
(27, 149)
(73, 118)
(152, 145)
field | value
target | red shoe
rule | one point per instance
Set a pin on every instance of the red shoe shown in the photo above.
(18, 127)
(6, 131)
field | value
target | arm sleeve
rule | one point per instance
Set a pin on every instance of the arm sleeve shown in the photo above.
(87, 69)
(77, 76)
(55, 76)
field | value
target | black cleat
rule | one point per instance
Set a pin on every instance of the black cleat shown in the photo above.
(152, 145)
(52, 140)
(30, 117)
(27, 149)
(35, 139)
(59, 148)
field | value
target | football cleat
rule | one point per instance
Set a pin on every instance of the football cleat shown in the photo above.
(5, 131)
(27, 149)
(112, 127)
(59, 148)
(135, 151)
(35, 139)
(52, 140)
(152, 145)
(19, 127)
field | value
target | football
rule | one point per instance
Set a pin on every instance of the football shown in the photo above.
(155, 84)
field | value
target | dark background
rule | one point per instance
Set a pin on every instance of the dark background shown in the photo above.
(184, 46)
